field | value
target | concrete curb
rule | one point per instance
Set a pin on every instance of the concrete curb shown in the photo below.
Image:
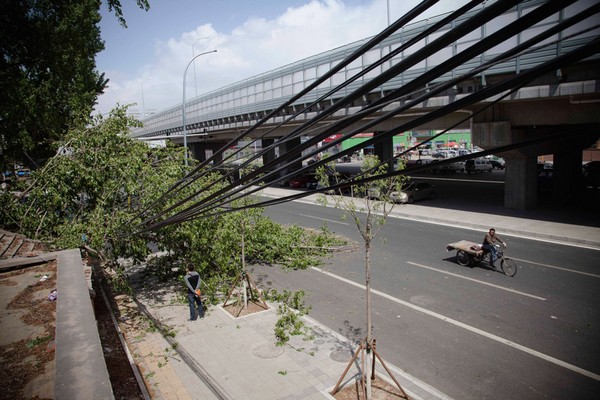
(80, 367)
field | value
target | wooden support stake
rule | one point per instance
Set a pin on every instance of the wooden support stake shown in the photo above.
(390, 374)
(252, 285)
(337, 385)
(231, 291)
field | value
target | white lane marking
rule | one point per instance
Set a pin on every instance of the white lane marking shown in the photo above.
(491, 336)
(555, 267)
(478, 281)
(324, 219)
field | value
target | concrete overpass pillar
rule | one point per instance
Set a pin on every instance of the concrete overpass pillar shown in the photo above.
(271, 154)
(520, 186)
(202, 151)
(282, 149)
(566, 175)
(287, 146)
(384, 150)
(566, 143)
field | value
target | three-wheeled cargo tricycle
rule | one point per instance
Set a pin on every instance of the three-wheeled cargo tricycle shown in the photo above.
(470, 253)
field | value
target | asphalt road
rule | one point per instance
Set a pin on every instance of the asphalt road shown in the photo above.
(472, 333)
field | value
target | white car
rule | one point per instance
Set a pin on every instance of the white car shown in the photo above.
(413, 192)
(478, 165)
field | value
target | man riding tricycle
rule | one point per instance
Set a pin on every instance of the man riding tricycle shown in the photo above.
(470, 253)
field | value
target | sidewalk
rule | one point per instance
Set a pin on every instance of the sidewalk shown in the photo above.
(222, 357)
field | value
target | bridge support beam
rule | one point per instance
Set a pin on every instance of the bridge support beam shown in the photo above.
(285, 148)
(521, 178)
(203, 151)
(271, 154)
(520, 186)
(567, 175)
(384, 150)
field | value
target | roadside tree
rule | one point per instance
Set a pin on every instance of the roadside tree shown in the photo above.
(367, 206)
(48, 77)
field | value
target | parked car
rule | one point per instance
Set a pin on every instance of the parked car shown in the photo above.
(340, 178)
(420, 161)
(457, 166)
(497, 164)
(304, 181)
(478, 165)
(413, 192)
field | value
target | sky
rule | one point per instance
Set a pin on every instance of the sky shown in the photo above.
(145, 62)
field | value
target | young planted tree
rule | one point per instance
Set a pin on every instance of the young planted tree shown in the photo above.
(246, 220)
(367, 206)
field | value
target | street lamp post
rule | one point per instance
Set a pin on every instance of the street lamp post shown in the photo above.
(388, 12)
(183, 112)
(193, 54)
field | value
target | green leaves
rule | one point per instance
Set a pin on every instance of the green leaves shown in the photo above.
(93, 187)
(48, 77)
(291, 309)
(47, 72)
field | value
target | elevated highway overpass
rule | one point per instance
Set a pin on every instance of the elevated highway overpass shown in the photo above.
(561, 100)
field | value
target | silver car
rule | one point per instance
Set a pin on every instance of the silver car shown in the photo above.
(413, 192)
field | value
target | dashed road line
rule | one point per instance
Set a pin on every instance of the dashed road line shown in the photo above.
(555, 267)
(478, 281)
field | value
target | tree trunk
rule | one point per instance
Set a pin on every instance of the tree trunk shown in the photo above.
(368, 356)
(245, 289)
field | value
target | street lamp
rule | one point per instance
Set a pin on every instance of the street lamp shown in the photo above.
(193, 54)
(388, 12)
(184, 130)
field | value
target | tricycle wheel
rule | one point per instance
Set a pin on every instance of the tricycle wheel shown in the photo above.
(463, 258)
(508, 266)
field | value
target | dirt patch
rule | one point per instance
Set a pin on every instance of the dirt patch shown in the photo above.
(238, 310)
(122, 378)
(28, 319)
(380, 390)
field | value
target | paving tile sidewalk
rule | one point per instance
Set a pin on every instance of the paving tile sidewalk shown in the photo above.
(239, 358)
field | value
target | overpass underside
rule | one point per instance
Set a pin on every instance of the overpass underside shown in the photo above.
(563, 125)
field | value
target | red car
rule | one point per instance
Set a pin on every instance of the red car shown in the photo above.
(304, 181)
